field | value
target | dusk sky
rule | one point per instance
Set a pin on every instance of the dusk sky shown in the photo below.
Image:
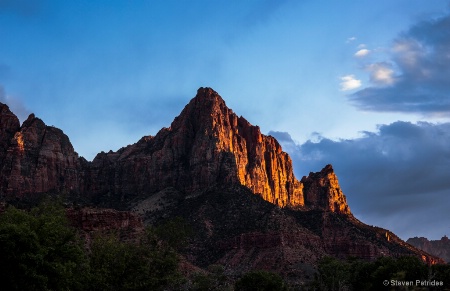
(363, 85)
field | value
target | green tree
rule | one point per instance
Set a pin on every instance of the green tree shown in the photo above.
(39, 250)
(213, 279)
(332, 274)
(143, 265)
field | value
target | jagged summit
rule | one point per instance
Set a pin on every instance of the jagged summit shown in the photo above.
(211, 166)
(322, 191)
(206, 145)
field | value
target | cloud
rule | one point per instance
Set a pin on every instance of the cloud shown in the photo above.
(350, 39)
(349, 82)
(381, 74)
(420, 62)
(362, 53)
(397, 177)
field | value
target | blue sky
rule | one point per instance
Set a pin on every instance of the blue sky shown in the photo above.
(363, 85)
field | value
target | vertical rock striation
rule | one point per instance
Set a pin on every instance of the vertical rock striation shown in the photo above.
(322, 191)
(39, 159)
(205, 146)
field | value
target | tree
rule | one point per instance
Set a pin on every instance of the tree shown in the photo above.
(141, 265)
(39, 250)
(332, 274)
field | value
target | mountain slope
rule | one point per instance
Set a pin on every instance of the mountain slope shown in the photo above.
(439, 248)
(234, 185)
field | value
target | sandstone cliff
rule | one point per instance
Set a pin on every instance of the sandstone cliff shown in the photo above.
(38, 159)
(322, 191)
(9, 125)
(439, 248)
(206, 145)
(234, 185)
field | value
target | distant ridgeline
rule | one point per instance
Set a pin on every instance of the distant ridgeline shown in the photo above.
(439, 248)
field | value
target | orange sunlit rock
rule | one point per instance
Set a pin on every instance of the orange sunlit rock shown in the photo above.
(19, 140)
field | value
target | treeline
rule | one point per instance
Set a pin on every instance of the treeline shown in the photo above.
(385, 273)
(39, 250)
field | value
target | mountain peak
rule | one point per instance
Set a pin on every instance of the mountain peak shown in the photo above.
(322, 191)
(206, 145)
(207, 94)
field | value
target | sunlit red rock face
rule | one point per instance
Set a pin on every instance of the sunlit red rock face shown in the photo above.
(38, 159)
(206, 145)
(178, 171)
(322, 191)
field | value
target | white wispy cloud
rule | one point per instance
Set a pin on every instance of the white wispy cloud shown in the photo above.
(350, 39)
(362, 53)
(349, 82)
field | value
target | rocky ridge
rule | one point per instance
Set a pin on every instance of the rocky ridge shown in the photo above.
(227, 179)
(439, 248)
(206, 145)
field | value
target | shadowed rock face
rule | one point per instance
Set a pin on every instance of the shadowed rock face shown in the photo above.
(206, 145)
(439, 248)
(9, 125)
(38, 159)
(207, 167)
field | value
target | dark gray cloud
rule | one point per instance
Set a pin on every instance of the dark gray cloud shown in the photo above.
(417, 78)
(397, 178)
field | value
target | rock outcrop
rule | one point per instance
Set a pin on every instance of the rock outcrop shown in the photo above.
(9, 125)
(439, 248)
(206, 145)
(322, 191)
(39, 159)
(95, 219)
(232, 183)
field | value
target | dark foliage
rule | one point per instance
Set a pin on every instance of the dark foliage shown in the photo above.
(381, 274)
(39, 251)
(260, 281)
